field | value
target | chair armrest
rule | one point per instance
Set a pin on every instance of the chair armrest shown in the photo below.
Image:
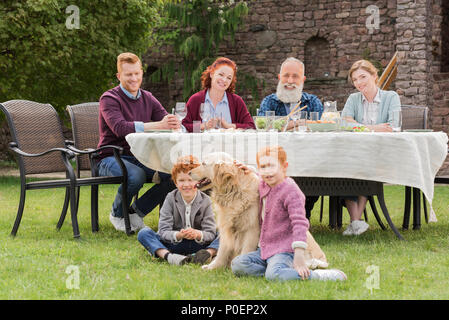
(14, 147)
(90, 151)
(93, 153)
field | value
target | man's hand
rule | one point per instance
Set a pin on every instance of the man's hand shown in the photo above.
(170, 121)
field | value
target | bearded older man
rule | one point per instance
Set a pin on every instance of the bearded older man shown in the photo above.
(288, 94)
(289, 91)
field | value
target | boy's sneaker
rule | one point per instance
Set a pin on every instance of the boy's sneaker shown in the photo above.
(327, 275)
(200, 257)
(136, 222)
(177, 259)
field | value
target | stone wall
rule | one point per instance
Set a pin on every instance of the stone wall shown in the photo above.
(444, 13)
(327, 35)
(440, 110)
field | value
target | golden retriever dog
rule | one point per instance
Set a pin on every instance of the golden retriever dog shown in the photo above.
(235, 201)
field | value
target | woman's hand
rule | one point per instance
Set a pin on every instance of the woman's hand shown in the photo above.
(226, 125)
(211, 124)
(241, 166)
(383, 127)
(299, 263)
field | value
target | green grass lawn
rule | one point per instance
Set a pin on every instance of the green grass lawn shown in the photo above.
(112, 265)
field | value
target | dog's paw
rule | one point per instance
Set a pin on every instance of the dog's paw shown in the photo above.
(205, 267)
(209, 266)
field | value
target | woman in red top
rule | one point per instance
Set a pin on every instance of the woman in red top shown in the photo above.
(223, 106)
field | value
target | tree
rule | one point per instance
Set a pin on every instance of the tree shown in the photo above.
(195, 29)
(57, 52)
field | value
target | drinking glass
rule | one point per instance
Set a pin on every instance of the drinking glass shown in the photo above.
(196, 126)
(205, 113)
(218, 117)
(302, 121)
(396, 120)
(314, 116)
(270, 119)
(180, 110)
(261, 123)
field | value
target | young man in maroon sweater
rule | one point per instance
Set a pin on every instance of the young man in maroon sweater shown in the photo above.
(126, 109)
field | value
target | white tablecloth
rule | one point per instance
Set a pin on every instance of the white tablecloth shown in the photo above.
(404, 158)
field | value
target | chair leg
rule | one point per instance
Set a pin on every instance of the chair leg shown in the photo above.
(64, 209)
(380, 198)
(19, 210)
(321, 208)
(365, 215)
(94, 208)
(339, 210)
(416, 209)
(408, 200)
(333, 212)
(372, 203)
(74, 212)
(126, 209)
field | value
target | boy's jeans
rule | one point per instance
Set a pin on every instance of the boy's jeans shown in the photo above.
(277, 267)
(152, 242)
(138, 174)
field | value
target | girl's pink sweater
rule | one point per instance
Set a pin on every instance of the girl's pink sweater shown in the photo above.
(285, 219)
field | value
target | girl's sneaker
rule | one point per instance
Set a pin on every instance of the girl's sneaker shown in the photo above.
(356, 227)
(327, 275)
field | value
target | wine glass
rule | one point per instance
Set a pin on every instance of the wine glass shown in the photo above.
(180, 110)
(396, 120)
(301, 122)
(218, 119)
(205, 113)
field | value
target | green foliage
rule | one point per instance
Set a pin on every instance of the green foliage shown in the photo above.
(366, 55)
(41, 59)
(195, 29)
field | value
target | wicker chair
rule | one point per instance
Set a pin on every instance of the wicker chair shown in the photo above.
(414, 117)
(84, 119)
(39, 146)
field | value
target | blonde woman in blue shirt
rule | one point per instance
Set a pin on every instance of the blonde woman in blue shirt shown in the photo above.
(371, 107)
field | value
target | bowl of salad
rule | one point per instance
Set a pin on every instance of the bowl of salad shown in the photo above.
(322, 125)
(261, 123)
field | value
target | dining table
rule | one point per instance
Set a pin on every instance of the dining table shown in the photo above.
(401, 158)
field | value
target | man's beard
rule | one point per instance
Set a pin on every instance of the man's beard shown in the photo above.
(289, 95)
